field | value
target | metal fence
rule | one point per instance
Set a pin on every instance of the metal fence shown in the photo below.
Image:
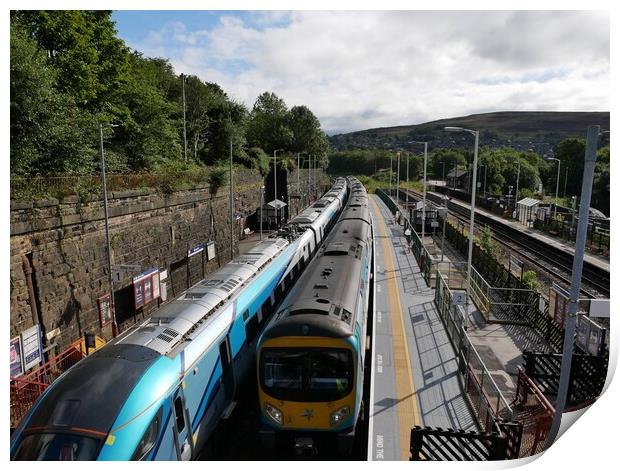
(484, 396)
(421, 254)
(26, 389)
(534, 411)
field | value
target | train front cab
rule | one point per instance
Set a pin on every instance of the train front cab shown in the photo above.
(308, 388)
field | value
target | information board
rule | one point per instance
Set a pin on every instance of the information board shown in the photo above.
(105, 310)
(558, 303)
(146, 288)
(17, 362)
(210, 250)
(31, 347)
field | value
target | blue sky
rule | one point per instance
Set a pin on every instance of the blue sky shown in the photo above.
(363, 69)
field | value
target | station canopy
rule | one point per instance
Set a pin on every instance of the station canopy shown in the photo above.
(276, 204)
(529, 202)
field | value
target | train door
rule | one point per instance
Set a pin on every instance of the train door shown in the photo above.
(228, 378)
(183, 436)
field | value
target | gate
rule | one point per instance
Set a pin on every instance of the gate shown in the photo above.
(533, 410)
(437, 444)
(587, 378)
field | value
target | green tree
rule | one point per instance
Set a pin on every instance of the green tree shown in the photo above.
(268, 124)
(487, 242)
(49, 133)
(91, 63)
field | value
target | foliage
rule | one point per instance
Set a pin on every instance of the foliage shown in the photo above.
(70, 72)
(217, 179)
(530, 280)
(487, 243)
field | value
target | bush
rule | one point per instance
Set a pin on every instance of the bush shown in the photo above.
(217, 179)
(530, 280)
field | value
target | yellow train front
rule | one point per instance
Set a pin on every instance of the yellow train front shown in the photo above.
(310, 357)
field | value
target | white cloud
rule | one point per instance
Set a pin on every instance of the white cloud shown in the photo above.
(357, 70)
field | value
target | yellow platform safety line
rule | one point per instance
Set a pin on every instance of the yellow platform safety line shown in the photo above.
(407, 404)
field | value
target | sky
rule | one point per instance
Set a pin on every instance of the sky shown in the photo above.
(364, 69)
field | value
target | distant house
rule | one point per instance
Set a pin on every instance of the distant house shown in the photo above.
(458, 179)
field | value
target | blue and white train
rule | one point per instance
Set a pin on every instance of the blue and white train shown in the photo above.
(158, 391)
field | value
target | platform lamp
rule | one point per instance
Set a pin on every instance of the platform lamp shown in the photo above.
(107, 226)
(472, 212)
(424, 186)
(275, 186)
(557, 183)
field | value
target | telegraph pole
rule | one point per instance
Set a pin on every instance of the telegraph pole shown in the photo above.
(232, 234)
(184, 124)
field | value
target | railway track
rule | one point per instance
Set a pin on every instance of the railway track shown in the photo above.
(549, 259)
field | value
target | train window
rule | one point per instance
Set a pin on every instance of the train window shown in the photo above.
(251, 329)
(57, 447)
(246, 314)
(179, 414)
(149, 439)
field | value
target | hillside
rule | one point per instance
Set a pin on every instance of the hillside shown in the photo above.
(536, 130)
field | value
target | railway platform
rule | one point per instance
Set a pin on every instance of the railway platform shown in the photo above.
(414, 378)
(596, 260)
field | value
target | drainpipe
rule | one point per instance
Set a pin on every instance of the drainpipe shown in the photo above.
(33, 305)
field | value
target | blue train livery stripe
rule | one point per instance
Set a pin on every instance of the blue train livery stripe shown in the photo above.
(162, 434)
(207, 396)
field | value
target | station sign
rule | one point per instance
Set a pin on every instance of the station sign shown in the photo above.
(32, 349)
(195, 251)
(17, 361)
(146, 288)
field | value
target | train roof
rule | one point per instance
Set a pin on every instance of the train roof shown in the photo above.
(326, 290)
(173, 321)
(92, 392)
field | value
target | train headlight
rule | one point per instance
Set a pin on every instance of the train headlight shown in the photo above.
(274, 413)
(338, 416)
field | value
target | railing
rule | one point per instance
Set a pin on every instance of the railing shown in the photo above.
(25, 390)
(421, 254)
(484, 396)
(535, 412)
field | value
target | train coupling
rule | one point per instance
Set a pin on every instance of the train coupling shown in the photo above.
(304, 446)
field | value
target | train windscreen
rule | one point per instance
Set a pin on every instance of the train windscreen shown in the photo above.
(57, 447)
(308, 374)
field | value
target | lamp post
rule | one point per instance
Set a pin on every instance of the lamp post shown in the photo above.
(569, 326)
(517, 190)
(473, 207)
(232, 211)
(390, 174)
(424, 187)
(107, 225)
(485, 181)
(407, 193)
(555, 206)
(565, 181)
(397, 177)
(275, 186)
(309, 175)
(443, 172)
(262, 193)
(184, 122)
